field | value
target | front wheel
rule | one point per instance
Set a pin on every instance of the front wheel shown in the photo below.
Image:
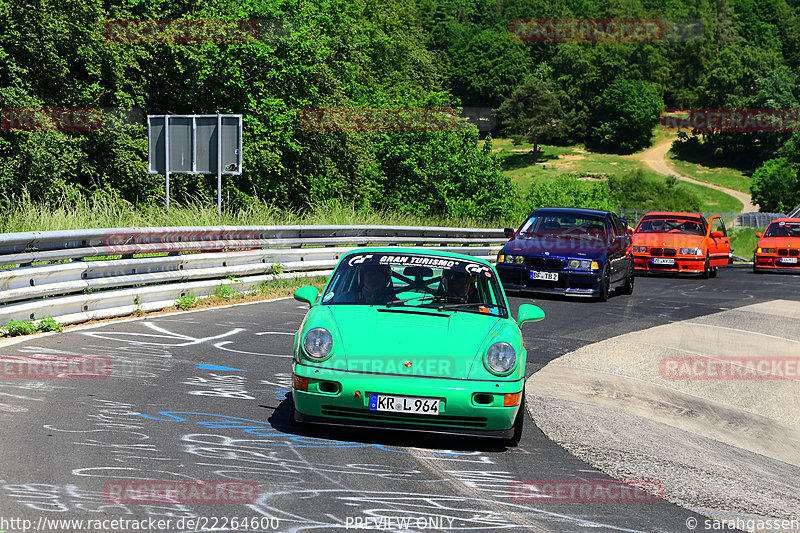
(629, 281)
(706, 269)
(605, 284)
(755, 269)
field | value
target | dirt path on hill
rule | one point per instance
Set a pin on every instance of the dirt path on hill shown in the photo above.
(656, 158)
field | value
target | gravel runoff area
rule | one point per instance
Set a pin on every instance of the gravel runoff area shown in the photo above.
(722, 448)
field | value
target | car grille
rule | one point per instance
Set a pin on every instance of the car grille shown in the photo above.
(784, 251)
(670, 252)
(536, 262)
(656, 251)
(384, 416)
(554, 264)
(541, 262)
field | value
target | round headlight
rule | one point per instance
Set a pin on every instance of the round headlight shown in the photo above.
(519, 259)
(318, 343)
(500, 357)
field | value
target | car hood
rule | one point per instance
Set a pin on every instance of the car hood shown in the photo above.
(411, 341)
(779, 242)
(556, 246)
(669, 240)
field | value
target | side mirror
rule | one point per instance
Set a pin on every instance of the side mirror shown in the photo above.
(509, 233)
(716, 234)
(307, 294)
(529, 313)
(759, 234)
(630, 230)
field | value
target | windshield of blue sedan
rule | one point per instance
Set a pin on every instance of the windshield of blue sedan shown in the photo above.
(411, 280)
(783, 229)
(688, 226)
(564, 225)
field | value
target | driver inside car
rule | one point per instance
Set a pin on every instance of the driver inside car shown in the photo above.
(374, 286)
(459, 286)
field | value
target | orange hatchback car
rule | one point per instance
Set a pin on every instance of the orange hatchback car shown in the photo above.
(680, 243)
(779, 247)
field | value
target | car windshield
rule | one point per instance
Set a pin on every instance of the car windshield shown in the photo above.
(565, 224)
(416, 280)
(688, 226)
(783, 229)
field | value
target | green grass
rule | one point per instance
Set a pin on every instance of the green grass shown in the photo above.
(714, 200)
(743, 241)
(558, 160)
(23, 214)
(16, 328)
(731, 178)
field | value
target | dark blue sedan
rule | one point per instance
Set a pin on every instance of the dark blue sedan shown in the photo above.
(577, 252)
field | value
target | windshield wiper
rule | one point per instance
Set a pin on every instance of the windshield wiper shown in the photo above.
(462, 304)
(426, 298)
(400, 302)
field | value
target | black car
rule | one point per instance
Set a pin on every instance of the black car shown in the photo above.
(577, 252)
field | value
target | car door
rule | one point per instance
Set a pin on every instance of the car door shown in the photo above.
(720, 245)
(617, 248)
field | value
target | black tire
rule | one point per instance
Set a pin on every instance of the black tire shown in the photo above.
(755, 270)
(629, 283)
(706, 269)
(605, 284)
(519, 422)
(713, 272)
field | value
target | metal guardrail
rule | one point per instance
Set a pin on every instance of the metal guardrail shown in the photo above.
(192, 260)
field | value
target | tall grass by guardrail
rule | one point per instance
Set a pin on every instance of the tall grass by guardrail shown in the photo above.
(103, 211)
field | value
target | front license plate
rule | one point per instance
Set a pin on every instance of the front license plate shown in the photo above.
(663, 261)
(788, 260)
(549, 276)
(403, 404)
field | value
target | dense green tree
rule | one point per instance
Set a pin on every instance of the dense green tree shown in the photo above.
(625, 115)
(776, 185)
(532, 112)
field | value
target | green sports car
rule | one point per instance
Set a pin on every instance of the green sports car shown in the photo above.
(406, 338)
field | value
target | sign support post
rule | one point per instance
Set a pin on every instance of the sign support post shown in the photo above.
(219, 165)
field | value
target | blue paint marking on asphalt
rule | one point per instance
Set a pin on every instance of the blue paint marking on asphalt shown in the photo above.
(260, 429)
(217, 367)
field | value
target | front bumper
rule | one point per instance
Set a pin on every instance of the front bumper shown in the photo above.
(458, 412)
(584, 283)
(681, 265)
(772, 263)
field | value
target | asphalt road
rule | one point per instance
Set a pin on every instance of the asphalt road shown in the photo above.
(166, 413)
